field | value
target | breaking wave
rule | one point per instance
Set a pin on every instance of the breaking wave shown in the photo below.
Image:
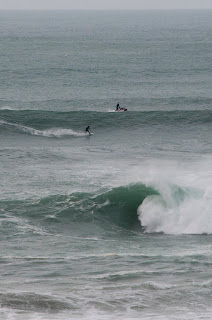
(171, 210)
(178, 211)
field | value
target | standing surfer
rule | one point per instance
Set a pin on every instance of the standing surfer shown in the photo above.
(117, 107)
(87, 130)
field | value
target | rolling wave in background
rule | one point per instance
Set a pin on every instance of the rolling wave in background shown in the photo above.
(59, 124)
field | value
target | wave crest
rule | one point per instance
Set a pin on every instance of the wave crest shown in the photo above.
(182, 212)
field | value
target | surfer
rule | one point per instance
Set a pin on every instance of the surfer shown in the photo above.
(117, 107)
(87, 130)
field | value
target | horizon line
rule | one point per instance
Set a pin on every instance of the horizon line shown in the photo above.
(87, 9)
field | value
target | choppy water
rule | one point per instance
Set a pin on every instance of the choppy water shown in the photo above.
(116, 225)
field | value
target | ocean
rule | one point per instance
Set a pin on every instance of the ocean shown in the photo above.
(117, 224)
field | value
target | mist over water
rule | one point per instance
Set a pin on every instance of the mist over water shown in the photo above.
(115, 225)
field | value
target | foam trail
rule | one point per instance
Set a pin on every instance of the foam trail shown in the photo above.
(56, 132)
(50, 133)
(7, 108)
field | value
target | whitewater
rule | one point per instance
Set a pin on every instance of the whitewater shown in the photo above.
(116, 225)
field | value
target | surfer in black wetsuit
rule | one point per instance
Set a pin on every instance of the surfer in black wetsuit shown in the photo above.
(87, 130)
(117, 107)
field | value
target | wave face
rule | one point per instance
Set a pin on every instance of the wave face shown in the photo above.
(168, 209)
(117, 206)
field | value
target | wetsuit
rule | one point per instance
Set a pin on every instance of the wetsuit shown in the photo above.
(87, 130)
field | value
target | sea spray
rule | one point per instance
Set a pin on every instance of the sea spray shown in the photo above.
(177, 211)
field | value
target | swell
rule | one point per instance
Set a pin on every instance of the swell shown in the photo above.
(47, 123)
(114, 207)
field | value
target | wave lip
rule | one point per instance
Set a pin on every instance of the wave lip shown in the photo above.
(183, 211)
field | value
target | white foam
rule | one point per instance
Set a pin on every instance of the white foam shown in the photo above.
(7, 108)
(184, 205)
(49, 133)
(56, 132)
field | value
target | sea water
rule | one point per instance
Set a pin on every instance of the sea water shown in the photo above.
(116, 225)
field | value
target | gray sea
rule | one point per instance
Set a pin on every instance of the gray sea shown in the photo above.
(117, 224)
